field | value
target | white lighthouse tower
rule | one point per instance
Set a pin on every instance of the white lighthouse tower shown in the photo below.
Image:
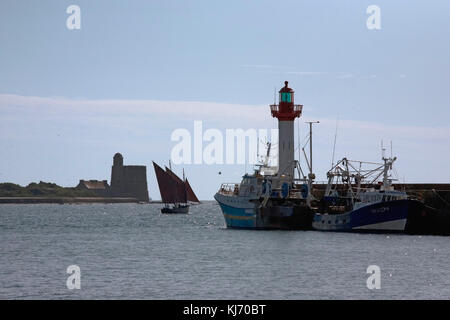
(286, 112)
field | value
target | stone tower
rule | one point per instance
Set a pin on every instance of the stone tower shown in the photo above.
(128, 181)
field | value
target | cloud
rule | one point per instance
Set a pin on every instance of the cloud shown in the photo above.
(345, 76)
(104, 111)
(131, 122)
(370, 76)
(109, 108)
(61, 134)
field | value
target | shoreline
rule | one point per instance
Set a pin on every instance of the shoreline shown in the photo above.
(66, 200)
(74, 200)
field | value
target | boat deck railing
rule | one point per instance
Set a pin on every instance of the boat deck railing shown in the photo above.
(229, 189)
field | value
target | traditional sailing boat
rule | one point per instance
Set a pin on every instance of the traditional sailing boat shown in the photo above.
(174, 191)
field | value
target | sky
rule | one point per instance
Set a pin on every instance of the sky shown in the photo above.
(138, 70)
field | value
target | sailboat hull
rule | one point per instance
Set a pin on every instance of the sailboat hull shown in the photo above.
(175, 210)
(174, 191)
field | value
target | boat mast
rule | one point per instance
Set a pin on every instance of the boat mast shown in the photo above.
(266, 160)
(335, 138)
(298, 141)
(311, 174)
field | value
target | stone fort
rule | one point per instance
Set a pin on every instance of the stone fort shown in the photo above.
(128, 181)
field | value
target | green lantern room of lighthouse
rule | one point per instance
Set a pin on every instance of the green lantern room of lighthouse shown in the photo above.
(286, 94)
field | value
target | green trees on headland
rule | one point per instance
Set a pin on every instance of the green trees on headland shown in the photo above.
(42, 189)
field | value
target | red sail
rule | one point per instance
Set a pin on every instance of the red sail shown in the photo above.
(168, 186)
(173, 175)
(181, 188)
(190, 193)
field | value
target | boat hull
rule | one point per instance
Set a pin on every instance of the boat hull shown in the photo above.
(238, 212)
(175, 210)
(292, 217)
(390, 216)
(240, 218)
(245, 213)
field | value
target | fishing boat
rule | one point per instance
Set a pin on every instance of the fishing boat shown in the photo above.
(272, 197)
(176, 193)
(358, 200)
(265, 202)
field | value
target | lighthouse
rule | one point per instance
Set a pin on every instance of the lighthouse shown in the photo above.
(286, 112)
(268, 201)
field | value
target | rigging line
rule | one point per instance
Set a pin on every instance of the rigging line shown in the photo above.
(441, 197)
(306, 138)
(396, 175)
(306, 142)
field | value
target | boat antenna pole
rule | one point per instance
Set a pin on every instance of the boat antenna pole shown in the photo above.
(335, 137)
(266, 160)
(310, 146)
(274, 95)
(391, 149)
(298, 139)
(311, 175)
(258, 156)
(170, 165)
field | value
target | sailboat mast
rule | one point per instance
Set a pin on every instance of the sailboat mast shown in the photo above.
(185, 189)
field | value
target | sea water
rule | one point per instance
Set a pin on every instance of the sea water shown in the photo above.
(132, 251)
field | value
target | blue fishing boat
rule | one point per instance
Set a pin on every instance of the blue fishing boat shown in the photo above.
(355, 202)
